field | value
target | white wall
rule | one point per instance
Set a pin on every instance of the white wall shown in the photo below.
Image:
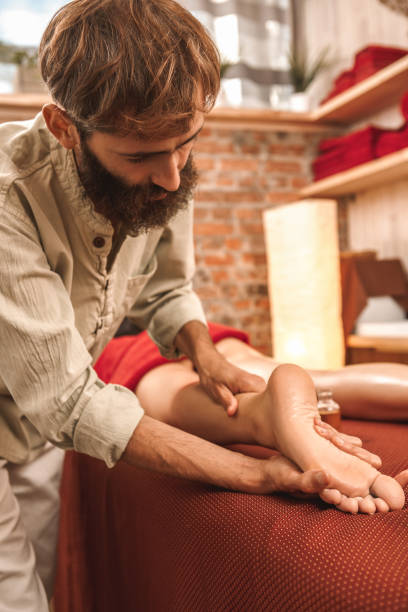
(346, 26)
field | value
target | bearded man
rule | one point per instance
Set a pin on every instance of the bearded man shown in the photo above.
(96, 224)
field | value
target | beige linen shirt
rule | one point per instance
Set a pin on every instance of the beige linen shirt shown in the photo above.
(65, 285)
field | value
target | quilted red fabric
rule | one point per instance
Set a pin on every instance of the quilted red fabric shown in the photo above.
(133, 540)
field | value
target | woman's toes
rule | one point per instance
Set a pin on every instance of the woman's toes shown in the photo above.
(331, 496)
(367, 505)
(389, 490)
(402, 478)
(381, 505)
(348, 504)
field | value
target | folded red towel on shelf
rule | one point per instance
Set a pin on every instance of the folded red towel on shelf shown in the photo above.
(389, 142)
(366, 63)
(338, 161)
(345, 152)
(377, 55)
(365, 137)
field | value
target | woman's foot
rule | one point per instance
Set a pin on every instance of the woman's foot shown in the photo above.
(287, 424)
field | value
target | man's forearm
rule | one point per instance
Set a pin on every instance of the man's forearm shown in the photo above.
(194, 340)
(161, 447)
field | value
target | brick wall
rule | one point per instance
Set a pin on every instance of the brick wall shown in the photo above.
(242, 172)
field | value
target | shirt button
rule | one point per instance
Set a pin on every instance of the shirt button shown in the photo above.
(98, 242)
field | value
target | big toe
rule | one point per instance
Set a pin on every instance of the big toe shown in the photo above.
(402, 478)
(388, 489)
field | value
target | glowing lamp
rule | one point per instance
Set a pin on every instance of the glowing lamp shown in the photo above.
(304, 283)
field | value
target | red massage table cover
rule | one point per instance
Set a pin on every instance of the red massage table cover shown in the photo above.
(134, 540)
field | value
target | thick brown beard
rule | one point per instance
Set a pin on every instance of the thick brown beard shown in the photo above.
(133, 208)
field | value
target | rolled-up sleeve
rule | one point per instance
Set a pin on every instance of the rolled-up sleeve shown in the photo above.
(44, 364)
(168, 300)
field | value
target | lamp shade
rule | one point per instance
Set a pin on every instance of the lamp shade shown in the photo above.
(304, 283)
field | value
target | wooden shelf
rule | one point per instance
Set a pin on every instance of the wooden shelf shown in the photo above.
(378, 91)
(25, 106)
(371, 95)
(268, 119)
(382, 344)
(392, 167)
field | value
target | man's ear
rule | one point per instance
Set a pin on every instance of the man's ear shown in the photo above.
(60, 126)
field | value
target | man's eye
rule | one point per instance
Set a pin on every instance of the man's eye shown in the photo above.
(135, 160)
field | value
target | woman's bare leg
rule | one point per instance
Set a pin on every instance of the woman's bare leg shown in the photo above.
(172, 393)
(369, 390)
(364, 391)
(276, 418)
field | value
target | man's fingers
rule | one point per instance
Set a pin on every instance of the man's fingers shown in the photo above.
(222, 395)
(313, 481)
(232, 409)
(283, 475)
(251, 383)
(356, 451)
(346, 444)
(366, 456)
(327, 431)
(352, 439)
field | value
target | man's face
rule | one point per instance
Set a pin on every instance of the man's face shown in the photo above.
(138, 184)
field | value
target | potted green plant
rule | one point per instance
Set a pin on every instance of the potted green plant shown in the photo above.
(302, 74)
(225, 65)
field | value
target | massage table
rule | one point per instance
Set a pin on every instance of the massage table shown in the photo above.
(135, 540)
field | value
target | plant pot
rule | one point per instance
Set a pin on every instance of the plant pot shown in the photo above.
(299, 102)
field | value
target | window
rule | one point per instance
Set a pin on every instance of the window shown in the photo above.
(22, 23)
(254, 38)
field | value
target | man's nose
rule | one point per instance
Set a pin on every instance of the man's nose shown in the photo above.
(167, 172)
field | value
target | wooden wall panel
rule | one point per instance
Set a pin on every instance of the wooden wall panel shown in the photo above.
(378, 219)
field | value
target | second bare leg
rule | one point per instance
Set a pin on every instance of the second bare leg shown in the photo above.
(364, 391)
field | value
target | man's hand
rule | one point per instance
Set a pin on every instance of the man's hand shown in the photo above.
(161, 447)
(220, 379)
(348, 444)
(281, 475)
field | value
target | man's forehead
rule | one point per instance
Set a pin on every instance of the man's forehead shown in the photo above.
(133, 142)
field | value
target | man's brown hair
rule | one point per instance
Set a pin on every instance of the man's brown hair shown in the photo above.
(120, 65)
